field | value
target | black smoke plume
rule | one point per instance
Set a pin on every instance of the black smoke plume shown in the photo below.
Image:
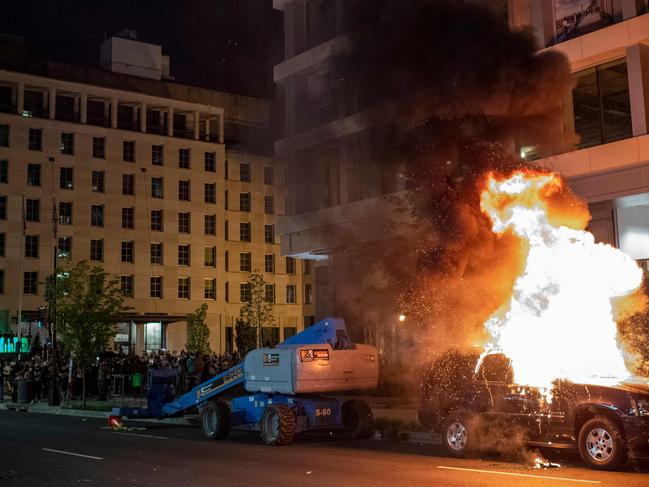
(452, 92)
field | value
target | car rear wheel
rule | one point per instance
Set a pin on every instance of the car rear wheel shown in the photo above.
(457, 434)
(601, 444)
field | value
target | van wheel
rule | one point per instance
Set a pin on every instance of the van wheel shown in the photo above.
(601, 444)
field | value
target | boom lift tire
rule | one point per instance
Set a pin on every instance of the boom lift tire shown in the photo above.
(278, 425)
(216, 419)
(357, 418)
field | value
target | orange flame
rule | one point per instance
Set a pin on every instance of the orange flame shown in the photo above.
(559, 322)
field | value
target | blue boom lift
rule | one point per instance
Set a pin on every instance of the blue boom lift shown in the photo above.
(283, 385)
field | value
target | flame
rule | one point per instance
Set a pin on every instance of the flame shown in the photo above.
(560, 320)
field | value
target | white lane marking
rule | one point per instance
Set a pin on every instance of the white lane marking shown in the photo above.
(143, 436)
(73, 454)
(495, 472)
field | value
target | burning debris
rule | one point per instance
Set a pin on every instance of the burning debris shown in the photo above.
(560, 321)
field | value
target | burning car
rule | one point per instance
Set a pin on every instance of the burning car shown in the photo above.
(470, 407)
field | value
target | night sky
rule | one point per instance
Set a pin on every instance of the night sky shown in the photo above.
(222, 44)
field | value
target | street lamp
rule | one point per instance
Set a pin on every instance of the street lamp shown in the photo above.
(402, 318)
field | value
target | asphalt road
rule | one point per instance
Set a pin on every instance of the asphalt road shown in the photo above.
(43, 450)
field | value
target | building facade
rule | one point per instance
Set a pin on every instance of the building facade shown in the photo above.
(164, 185)
(607, 44)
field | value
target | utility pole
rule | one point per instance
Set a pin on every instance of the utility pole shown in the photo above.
(21, 277)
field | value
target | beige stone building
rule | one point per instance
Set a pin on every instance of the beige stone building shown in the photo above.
(167, 186)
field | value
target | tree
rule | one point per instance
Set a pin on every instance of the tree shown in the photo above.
(245, 337)
(257, 311)
(198, 336)
(88, 304)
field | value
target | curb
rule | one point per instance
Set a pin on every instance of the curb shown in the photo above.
(58, 411)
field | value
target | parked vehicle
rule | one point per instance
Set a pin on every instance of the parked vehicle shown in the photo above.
(469, 408)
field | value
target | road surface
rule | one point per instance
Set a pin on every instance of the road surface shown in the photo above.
(43, 450)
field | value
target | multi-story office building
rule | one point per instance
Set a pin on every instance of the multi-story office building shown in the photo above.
(164, 185)
(326, 144)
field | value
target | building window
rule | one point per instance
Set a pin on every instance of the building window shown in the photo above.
(128, 184)
(226, 261)
(3, 237)
(4, 171)
(97, 215)
(99, 147)
(210, 161)
(155, 287)
(290, 265)
(210, 192)
(226, 170)
(184, 222)
(31, 246)
(33, 174)
(127, 251)
(244, 172)
(65, 213)
(64, 250)
(4, 135)
(3, 207)
(128, 218)
(290, 294)
(128, 151)
(245, 262)
(289, 331)
(226, 198)
(184, 158)
(67, 143)
(157, 187)
(269, 263)
(184, 190)
(308, 294)
(97, 250)
(157, 155)
(35, 141)
(32, 210)
(269, 233)
(244, 292)
(156, 220)
(210, 224)
(226, 230)
(183, 254)
(30, 283)
(66, 178)
(126, 284)
(210, 256)
(156, 253)
(226, 292)
(209, 289)
(306, 267)
(97, 181)
(601, 106)
(268, 175)
(244, 232)
(183, 287)
(269, 293)
(244, 202)
(269, 205)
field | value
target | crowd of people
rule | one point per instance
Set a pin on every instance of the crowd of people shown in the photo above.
(112, 373)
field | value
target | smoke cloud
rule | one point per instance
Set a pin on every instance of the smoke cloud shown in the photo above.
(452, 92)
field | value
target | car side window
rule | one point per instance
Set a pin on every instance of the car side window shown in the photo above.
(496, 368)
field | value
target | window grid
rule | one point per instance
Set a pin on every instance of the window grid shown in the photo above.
(126, 285)
(183, 288)
(184, 222)
(99, 147)
(128, 184)
(67, 143)
(269, 263)
(244, 202)
(157, 220)
(210, 192)
(210, 256)
(128, 151)
(97, 250)
(35, 141)
(157, 155)
(127, 251)
(245, 261)
(156, 253)
(184, 158)
(183, 254)
(244, 232)
(209, 289)
(33, 174)
(155, 286)
(184, 190)
(210, 225)
(210, 161)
